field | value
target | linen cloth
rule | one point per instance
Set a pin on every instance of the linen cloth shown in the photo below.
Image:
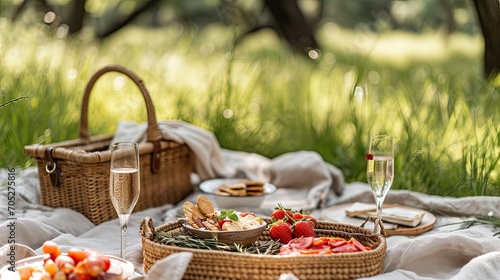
(446, 252)
(309, 181)
(449, 251)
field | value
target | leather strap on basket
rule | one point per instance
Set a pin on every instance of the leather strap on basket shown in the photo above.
(51, 168)
(155, 157)
(153, 132)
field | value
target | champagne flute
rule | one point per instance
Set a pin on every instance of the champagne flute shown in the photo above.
(124, 184)
(380, 171)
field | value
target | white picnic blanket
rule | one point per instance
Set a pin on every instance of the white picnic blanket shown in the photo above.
(446, 252)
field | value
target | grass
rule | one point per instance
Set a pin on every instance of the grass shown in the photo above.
(259, 97)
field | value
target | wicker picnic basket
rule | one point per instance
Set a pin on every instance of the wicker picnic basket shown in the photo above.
(75, 173)
(207, 264)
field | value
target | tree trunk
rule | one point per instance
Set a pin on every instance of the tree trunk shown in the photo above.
(488, 12)
(450, 16)
(292, 25)
(77, 15)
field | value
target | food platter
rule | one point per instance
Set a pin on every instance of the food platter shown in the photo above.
(337, 213)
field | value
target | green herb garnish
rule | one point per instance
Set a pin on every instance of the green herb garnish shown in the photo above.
(230, 214)
(269, 247)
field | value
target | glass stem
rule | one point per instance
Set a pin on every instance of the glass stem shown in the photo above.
(123, 225)
(380, 202)
(124, 242)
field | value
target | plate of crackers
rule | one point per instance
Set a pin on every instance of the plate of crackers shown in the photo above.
(237, 192)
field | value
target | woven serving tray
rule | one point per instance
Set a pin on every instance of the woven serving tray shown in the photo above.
(207, 264)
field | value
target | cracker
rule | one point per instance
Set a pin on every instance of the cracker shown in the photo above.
(254, 194)
(204, 205)
(241, 192)
(197, 213)
(253, 183)
(210, 225)
(220, 192)
(236, 186)
(187, 207)
(255, 189)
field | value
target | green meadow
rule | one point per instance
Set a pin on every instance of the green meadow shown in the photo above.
(427, 90)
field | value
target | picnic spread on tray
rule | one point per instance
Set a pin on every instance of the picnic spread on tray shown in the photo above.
(309, 248)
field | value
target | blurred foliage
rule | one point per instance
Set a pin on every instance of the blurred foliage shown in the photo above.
(257, 96)
(379, 15)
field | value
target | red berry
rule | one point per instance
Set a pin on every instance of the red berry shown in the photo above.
(310, 218)
(281, 231)
(297, 216)
(303, 229)
(281, 214)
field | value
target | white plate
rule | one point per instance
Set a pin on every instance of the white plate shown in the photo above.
(209, 186)
(228, 202)
(127, 267)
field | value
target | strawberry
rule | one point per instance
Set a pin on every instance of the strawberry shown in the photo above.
(281, 231)
(310, 218)
(281, 214)
(297, 216)
(303, 229)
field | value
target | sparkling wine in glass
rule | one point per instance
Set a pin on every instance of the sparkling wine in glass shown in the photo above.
(124, 186)
(380, 168)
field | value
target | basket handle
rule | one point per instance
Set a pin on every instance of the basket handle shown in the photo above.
(147, 229)
(378, 225)
(153, 132)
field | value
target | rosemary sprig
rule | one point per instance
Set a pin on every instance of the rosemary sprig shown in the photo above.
(269, 247)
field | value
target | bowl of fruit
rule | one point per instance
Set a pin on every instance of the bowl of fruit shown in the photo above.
(227, 226)
(75, 264)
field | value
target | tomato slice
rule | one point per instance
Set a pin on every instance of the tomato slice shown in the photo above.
(333, 238)
(327, 251)
(337, 243)
(286, 250)
(357, 244)
(301, 242)
(319, 242)
(323, 249)
(345, 248)
(222, 222)
(309, 252)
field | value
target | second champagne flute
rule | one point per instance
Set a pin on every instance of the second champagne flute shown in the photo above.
(124, 186)
(380, 168)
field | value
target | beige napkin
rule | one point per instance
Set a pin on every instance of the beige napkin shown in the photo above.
(172, 267)
(14, 252)
(206, 149)
(304, 180)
